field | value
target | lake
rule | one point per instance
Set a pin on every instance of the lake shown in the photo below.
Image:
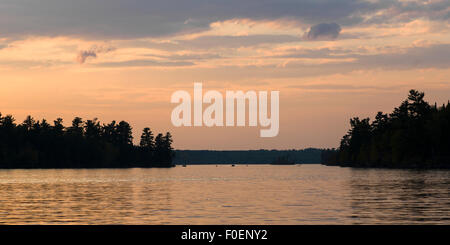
(204, 194)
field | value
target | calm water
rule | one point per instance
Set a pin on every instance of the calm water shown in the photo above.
(254, 194)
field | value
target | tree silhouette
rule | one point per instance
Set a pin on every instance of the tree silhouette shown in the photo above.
(85, 144)
(147, 139)
(76, 129)
(28, 123)
(58, 127)
(124, 133)
(92, 129)
(414, 135)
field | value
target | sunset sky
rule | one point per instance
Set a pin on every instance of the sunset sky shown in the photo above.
(122, 60)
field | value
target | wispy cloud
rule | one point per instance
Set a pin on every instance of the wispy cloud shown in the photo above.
(144, 62)
(344, 87)
(92, 52)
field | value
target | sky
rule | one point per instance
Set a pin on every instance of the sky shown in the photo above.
(122, 60)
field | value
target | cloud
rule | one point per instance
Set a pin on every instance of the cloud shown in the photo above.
(430, 57)
(323, 31)
(318, 53)
(205, 42)
(433, 56)
(188, 57)
(144, 63)
(92, 52)
(83, 55)
(406, 11)
(346, 87)
(128, 19)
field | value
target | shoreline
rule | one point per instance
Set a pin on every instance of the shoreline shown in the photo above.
(389, 167)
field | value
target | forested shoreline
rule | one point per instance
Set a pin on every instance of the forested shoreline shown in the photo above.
(305, 156)
(415, 135)
(84, 144)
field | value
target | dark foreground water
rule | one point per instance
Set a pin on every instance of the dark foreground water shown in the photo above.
(254, 194)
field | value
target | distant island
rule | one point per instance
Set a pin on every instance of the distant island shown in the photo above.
(309, 155)
(85, 144)
(414, 135)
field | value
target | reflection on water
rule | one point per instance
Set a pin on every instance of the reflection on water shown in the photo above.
(400, 196)
(254, 194)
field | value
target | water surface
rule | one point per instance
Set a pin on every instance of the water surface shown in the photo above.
(199, 194)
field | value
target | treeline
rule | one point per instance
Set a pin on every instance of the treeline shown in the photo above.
(85, 144)
(415, 135)
(309, 155)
